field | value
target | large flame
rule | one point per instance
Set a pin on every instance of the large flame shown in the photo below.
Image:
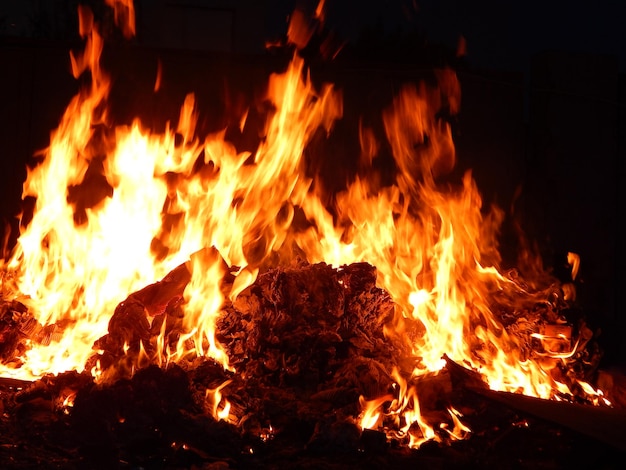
(164, 201)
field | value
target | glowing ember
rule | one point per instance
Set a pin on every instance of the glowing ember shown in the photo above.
(196, 201)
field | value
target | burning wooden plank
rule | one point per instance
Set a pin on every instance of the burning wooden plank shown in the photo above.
(605, 424)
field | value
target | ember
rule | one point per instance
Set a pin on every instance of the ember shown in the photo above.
(176, 302)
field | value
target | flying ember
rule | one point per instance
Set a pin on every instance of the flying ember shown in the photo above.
(161, 248)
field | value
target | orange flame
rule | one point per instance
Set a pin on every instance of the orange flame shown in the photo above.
(124, 11)
(460, 430)
(214, 399)
(371, 411)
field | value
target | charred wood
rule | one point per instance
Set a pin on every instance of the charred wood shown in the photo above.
(605, 424)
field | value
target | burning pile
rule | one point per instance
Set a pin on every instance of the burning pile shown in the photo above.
(307, 344)
(275, 301)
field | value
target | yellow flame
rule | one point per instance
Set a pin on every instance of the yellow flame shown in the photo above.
(214, 399)
(460, 430)
(371, 411)
(574, 261)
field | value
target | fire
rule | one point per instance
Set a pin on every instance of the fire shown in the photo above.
(371, 414)
(166, 201)
(124, 12)
(214, 399)
(459, 431)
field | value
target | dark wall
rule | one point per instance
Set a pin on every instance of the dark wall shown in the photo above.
(573, 173)
(35, 87)
(491, 140)
(620, 258)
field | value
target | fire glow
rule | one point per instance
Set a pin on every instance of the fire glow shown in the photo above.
(179, 199)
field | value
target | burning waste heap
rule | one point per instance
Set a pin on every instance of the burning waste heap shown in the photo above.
(175, 302)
